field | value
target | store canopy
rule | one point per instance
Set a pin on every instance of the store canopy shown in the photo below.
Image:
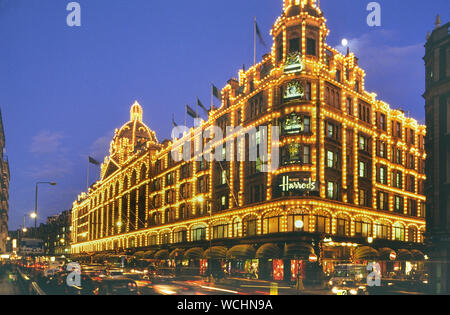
(163, 254)
(417, 255)
(386, 253)
(217, 252)
(366, 253)
(177, 254)
(149, 254)
(298, 251)
(139, 254)
(268, 251)
(404, 255)
(194, 253)
(241, 252)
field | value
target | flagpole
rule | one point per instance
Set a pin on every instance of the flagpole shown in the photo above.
(185, 116)
(87, 178)
(212, 96)
(254, 43)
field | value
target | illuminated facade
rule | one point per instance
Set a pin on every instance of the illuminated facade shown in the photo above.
(351, 168)
(4, 190)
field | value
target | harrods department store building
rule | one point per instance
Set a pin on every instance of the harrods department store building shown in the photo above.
(351, 169)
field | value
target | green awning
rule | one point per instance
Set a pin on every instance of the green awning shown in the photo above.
(241, 252)
(139, 254)
(163, 254)
(298, 251)
(194, 253)
(366, 253)
(417, 255)
(177, 254)
(268, 251)
(404, 255)
(216, 252)
(385, 253)
(149, 254)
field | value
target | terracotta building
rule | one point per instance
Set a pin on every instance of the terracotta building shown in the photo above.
(4, 190)
(437, 97)
(348, 186)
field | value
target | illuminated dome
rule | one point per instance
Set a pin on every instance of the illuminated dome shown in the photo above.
(134, 136)
(295, 7)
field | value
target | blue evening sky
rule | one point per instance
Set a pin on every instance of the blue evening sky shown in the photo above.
(64, 90)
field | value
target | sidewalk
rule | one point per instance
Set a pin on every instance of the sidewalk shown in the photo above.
(7, 285)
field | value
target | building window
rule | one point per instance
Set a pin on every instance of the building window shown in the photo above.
(363, 198)
(349, 106)
(382, 175)
(180, 236)
(383, 231)
(342, 226)
(294, 45)
(220, 231)
(398, 204)
(332, 131)
(198, 234)
(363, 169)
(363, 143)
(383, 201)
(310, 46)
(332, 190)
(292, 219)
(272, 224)
(306, 154)
(332, 159)
(250, 226)
(306, 124)
(363, 228)
(165, 238)
(322, 224)
(399, 233)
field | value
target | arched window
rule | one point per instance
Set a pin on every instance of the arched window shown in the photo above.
(250, 226)
(383, 230)
(116, 191)
(180, 236)
(169, 215)
(125, 183)
(343, 225)
(399, 232)
(412, 234)
(272, 223)
(198, 233)
(220, 230)
(323, 222)
(237, 226)
(363, 227)
(143, 172)
(153, 240)
(133, 178)
(298, 222)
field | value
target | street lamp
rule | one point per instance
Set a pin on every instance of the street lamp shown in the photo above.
(201, 200)
(36, 199)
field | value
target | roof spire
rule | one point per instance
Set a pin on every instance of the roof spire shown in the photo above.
(136, 112)
(438, 21)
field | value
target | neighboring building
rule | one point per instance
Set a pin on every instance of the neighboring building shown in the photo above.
(57, 235)
(349, 186)
(4, 190)
(31, 247)
(437, 97)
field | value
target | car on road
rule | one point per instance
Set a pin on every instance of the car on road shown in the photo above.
(116, 286)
